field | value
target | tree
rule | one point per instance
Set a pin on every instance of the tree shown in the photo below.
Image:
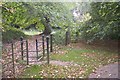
(104, 22)
(25, 14)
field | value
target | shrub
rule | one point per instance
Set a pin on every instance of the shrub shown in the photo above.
(59, 37)
(12, 34)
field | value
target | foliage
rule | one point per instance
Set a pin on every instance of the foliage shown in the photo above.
(98, 20)
(59, 37)
(12, 14)
(11, 34)
(104, 22)
(24, 14)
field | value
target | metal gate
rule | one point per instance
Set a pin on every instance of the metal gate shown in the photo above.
(22, 53)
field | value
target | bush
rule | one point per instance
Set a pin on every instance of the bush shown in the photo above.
(59, 37)
(12, 34)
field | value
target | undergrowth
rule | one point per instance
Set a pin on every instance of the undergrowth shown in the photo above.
(12, 34)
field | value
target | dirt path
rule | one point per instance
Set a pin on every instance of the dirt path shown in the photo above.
(108, 71)
(32, 47)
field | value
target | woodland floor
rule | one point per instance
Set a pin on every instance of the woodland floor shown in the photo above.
(59, 62)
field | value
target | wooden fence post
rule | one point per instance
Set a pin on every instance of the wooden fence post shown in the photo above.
(51, 44)
(37, 48)
(21, 39)
(27, 52)
(66, 38)
(43, 46)
(47, 41)
(77, 35)
(13, 60)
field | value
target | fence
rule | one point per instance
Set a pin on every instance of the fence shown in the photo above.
(18, 54)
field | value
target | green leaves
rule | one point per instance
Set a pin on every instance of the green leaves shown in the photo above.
(103, 23)
(25, 13)
(13, 13)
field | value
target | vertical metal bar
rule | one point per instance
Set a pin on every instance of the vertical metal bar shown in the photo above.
(21, 39)
(27, 52)
(51, 46)
(13, 60)
(43, 46)
(37, 48)
(47, 41)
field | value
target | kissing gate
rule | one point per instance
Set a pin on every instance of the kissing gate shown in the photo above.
(25, 52)
(40, 53)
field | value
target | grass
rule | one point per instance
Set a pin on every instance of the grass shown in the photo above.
(83, 55)
(52, 71)
(30, 72)
(89, 60)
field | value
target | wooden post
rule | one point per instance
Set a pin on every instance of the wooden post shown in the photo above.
(21, 39)
(27, 52)
(37, 48)
(13, 60)
(43, 46)
(77, 35)
(66, 38)
(47, 41)
(51, 46)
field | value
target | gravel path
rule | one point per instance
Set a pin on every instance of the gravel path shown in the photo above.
(108, 71)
